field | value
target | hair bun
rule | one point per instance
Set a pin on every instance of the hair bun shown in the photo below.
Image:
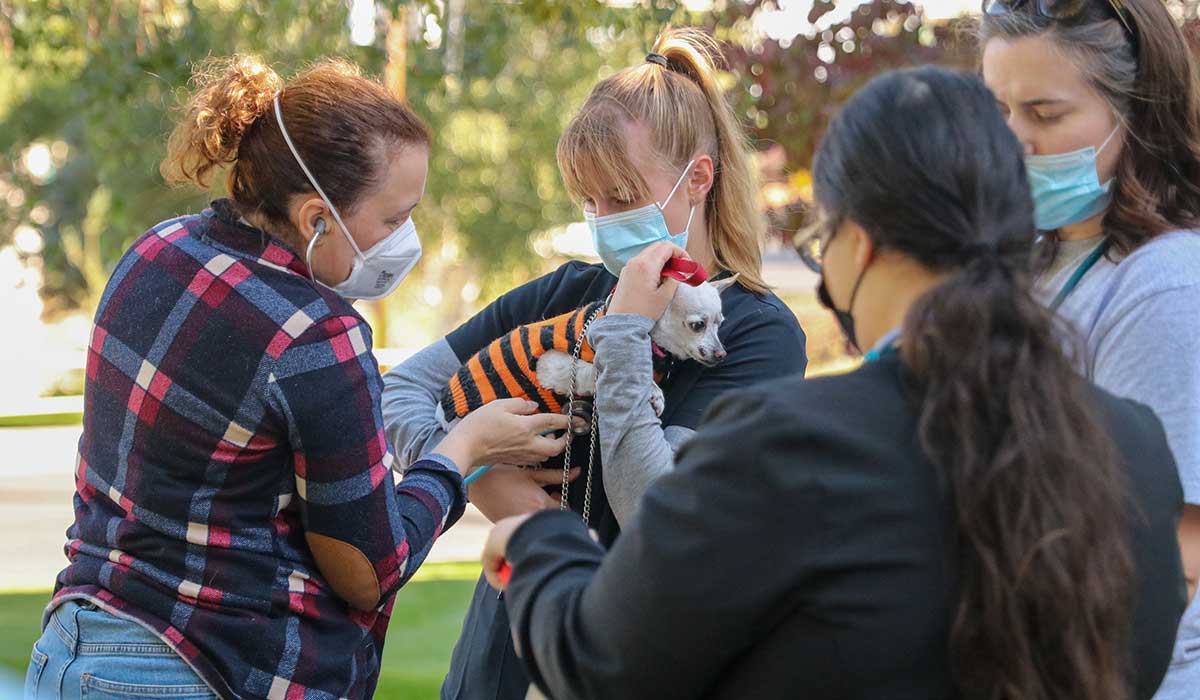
(229, 95)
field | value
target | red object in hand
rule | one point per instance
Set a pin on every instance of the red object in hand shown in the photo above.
(504, 573)
(686, 271)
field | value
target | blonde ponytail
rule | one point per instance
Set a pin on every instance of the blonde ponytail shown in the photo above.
(230, 94)
(687, 113)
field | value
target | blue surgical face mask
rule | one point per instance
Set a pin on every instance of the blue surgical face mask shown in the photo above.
(1066, 187)
(620, 237)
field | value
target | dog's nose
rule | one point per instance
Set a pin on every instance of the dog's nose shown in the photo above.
(719, 355)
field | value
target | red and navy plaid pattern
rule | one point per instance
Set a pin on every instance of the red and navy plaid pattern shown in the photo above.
(232, 405)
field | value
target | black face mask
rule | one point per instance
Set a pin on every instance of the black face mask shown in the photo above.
(844, 318)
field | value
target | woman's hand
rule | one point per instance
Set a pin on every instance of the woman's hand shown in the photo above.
(496, 547)
(505, 431)
(505, 491)
(642, 289)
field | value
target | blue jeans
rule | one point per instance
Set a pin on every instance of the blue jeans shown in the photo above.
(88, 654)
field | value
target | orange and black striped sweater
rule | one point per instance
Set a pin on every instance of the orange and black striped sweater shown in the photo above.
(507, 367)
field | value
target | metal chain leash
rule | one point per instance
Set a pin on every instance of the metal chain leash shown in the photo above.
(592, 429)
(587, 489)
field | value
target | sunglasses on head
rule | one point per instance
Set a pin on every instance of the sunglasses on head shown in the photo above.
(1060, 10)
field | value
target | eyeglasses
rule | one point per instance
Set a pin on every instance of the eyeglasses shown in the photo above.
(811, 243)
(1061, 10)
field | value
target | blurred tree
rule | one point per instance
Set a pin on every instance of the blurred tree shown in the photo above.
(88, 93)
(94, 85)
(499, 81)
(790, 86)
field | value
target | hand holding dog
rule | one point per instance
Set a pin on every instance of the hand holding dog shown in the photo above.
(642, 289)
(505, 431)
(505, 491)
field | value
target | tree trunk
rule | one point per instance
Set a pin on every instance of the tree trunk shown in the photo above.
(394, 78)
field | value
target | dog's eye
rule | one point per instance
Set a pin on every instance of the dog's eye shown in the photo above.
(696, 326)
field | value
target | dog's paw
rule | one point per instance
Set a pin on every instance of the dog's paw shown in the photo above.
(555, 372)
(585, 379)
(446, 423)
(657, 401)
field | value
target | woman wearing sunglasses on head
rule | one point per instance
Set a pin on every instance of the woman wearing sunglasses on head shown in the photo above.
(962, 517)
(1103, 95)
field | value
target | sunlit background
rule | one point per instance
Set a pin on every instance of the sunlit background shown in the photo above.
(89, 91)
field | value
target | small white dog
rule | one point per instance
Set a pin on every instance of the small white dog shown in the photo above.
(687, 330)
(535, 361)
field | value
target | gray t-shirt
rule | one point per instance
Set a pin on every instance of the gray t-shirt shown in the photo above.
(1139, 323)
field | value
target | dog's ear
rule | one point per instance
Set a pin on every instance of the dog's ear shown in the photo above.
(723, 284)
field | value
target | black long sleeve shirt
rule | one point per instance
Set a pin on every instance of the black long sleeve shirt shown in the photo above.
(800, 549)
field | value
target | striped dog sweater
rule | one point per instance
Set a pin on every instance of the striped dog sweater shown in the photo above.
(507, 367)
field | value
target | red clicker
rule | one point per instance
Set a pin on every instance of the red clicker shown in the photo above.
(686, 271)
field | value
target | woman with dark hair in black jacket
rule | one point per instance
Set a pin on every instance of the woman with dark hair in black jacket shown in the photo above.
(962, 517)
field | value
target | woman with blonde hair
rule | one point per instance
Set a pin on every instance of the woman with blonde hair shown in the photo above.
(654, 154)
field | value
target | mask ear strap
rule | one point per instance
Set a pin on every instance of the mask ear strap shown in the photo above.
(858, 283)
(311, 179)
(677, 184)
(1110, 138)
(854, 292)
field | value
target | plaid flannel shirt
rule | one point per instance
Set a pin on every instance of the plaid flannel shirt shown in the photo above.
(232, 405)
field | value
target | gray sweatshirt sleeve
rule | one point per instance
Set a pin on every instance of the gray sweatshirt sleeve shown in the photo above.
(635, 447)
(411, 391)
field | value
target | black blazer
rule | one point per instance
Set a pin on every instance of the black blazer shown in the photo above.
(798, 551)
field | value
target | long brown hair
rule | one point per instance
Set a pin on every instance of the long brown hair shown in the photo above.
(1037, 496)
(686, 112)
(342, 123)
(1150, 82)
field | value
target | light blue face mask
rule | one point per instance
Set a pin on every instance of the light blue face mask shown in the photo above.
(620, 237)
(1066, 188)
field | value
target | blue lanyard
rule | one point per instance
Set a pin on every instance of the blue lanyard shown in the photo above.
(1080, 271)
(886, 347)
(890, 348)
(880, 353)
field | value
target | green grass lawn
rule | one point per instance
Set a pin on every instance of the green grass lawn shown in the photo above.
(425, 623)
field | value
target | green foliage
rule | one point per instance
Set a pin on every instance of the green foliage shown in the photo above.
(497, 103)
(103, 81)
(496, 81)
(98, 84)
